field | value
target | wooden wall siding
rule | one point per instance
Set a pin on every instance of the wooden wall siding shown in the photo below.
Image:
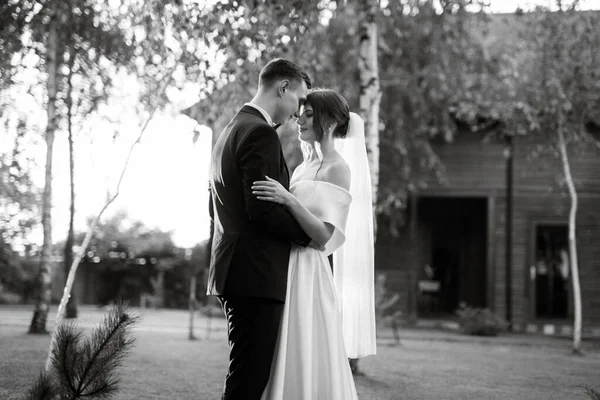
(476, 166)
(398, 261)
(471, 164)
(588, 236)
(528, 208)
(545, 173)
(525, 209)
(499, 260)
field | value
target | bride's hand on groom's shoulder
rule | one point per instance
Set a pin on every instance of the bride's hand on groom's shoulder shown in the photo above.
(271, 190)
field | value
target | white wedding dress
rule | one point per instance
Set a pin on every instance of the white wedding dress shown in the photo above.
(310, 361)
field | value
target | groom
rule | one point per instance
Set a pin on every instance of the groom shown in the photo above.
(252, 238)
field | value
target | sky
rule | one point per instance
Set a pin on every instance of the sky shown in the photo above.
(166, 185)
(166, 182)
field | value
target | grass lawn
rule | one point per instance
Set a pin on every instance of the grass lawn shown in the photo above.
(166, 365)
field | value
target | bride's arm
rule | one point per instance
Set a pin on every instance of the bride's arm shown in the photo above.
(319, 231)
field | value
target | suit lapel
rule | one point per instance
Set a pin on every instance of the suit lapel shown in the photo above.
(287, 172)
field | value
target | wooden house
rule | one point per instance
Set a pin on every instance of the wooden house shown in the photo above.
(453, 248)
(494, 234)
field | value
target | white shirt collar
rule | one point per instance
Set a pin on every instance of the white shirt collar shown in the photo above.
(262, 111)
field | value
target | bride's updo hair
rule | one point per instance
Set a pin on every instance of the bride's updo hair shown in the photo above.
(329, 107)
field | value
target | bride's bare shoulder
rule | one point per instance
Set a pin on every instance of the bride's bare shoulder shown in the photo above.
(338, 173)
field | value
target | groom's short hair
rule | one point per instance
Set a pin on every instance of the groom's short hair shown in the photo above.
(281, 68)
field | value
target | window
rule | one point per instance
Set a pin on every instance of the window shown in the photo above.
(550, 272)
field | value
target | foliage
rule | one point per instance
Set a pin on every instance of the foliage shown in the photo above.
(17, 274)
(92, 45)
(480, 321)
(14, 17)
(18, 195)
(592, 393)
(19, 204)
(547, 62)
(432, 63)
(546, 65)
(8, 297)
(254, 32)
(128, 256)
(87, 367)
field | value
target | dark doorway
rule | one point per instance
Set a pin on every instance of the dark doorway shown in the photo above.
(550, 271)
(454, 233)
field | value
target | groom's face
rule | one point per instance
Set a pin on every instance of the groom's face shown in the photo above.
(292, 96)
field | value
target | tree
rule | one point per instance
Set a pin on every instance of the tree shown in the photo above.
(68, 249)
(89, 234)
(432, 66)
(38, 321)
(541, 88)
(85, 85)
(250, 34)
(73, 34)
(370, 92)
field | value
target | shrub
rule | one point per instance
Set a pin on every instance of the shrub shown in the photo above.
(480, 321)
(9, 297)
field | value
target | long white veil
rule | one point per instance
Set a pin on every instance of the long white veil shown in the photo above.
(353, 263)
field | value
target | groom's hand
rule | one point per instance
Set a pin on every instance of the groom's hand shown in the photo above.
(316, 245)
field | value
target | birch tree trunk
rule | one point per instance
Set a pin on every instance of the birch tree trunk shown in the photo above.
(572, 237)
(44, 278)
(370, 90)
(68, 251)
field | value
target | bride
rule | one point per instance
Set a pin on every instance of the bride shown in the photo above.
(326, 319)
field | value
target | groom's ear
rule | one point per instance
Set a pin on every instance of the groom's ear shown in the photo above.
(283, 87)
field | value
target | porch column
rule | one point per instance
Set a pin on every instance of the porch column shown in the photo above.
(509, 154)
(414, 254)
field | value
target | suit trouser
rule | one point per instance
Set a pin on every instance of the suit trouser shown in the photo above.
(253, 326)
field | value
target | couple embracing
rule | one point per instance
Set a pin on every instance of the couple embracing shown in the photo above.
(292, 322)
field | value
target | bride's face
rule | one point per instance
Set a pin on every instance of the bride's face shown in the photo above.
(306, 130)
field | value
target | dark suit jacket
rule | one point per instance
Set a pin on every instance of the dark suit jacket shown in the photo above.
(252, 238)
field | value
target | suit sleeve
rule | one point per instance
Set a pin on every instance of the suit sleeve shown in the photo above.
(258, 156)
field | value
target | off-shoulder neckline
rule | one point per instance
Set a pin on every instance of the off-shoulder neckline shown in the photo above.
(325, 182)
